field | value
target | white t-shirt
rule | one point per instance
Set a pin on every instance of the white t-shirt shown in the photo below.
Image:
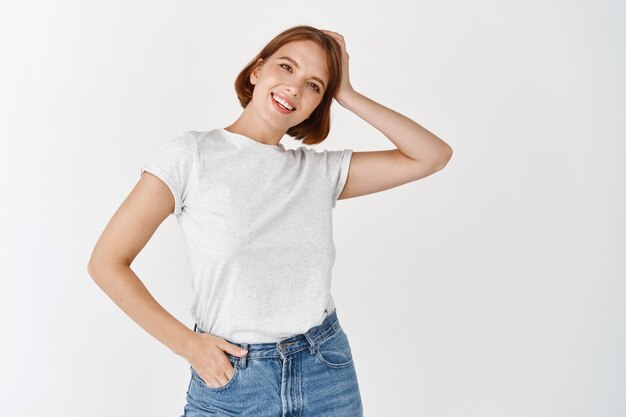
(257, 225)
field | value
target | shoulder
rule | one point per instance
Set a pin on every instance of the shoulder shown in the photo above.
(206, 140)
(309, 153)
(184, 141)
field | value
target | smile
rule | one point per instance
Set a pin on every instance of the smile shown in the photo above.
(283, 105)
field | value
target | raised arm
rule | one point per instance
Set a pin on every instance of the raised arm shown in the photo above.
(418, 152)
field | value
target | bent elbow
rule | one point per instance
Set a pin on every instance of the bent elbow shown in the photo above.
(94, 267)
(91, 268)
(445, 158)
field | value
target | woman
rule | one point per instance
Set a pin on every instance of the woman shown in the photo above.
(257, 223)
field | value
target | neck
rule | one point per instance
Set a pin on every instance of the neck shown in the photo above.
(256, 130)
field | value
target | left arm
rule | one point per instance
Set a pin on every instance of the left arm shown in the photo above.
(418, 152)
(409, 137)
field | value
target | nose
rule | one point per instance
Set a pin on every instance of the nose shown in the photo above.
(294, 91)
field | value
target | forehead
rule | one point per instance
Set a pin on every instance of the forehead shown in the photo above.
(310, 57)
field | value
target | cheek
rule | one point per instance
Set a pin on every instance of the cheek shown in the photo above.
(277, 75)
(315, 102)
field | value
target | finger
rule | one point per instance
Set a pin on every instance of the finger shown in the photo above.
(339, 40)
(333, 34)
(232, 349)
(214, 382)
(211, 381)
(337, 35)
(225, 378)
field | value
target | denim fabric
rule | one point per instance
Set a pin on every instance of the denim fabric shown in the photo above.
(307, 375)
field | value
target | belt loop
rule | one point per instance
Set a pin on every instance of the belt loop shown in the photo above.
(313, 347)
(242, 359)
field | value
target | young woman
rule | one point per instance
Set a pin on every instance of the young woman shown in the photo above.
(257, 223)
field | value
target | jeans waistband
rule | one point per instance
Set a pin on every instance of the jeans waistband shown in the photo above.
(288, 346)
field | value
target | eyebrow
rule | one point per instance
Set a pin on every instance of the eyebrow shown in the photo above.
(297, 66)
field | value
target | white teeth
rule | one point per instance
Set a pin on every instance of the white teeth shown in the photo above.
(283, 102)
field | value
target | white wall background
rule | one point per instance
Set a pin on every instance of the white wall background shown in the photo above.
(495, 287)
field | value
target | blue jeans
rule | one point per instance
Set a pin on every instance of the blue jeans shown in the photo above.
(307, 375)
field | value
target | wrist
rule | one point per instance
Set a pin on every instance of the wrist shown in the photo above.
(343, 97)
(186, 343)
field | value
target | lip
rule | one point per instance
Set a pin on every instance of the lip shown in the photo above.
(282, 96)
(279, 108)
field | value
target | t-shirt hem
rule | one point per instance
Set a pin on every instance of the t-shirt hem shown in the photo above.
(346, 158)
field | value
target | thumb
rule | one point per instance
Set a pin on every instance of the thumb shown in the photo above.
(234, 349)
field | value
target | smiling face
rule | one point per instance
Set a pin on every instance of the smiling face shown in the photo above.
(297, 74)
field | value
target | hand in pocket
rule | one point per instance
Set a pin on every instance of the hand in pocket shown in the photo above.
(207, 355)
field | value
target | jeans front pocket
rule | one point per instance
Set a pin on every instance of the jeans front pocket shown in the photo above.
(198, 379)
(334, 351)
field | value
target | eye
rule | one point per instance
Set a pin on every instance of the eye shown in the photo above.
(315, 87)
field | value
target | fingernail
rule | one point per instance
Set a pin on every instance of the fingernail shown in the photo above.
(243, 351)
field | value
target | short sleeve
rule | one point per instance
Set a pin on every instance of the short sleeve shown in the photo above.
(335, 165)
(174, 165)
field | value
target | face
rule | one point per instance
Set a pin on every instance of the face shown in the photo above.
(295, 73)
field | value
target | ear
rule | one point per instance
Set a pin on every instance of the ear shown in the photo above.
(254, 75)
